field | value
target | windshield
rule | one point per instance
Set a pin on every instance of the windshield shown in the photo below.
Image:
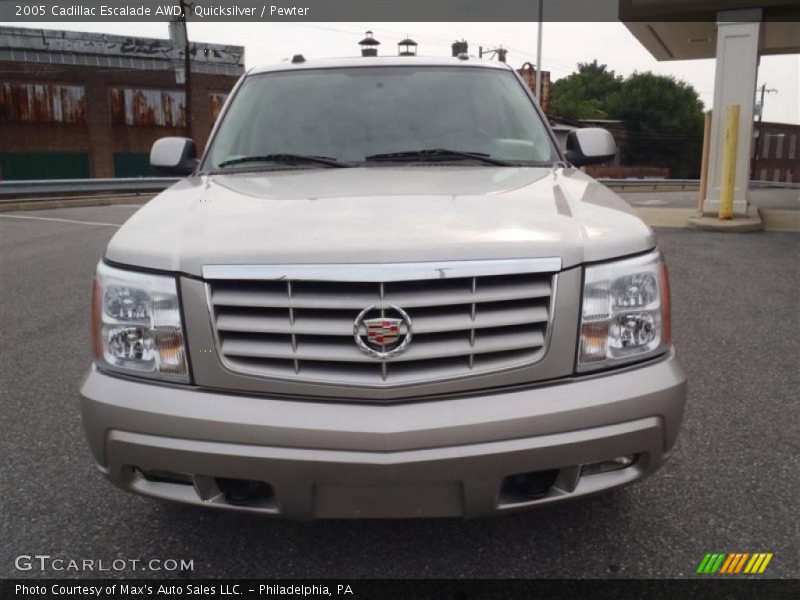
(360, 115)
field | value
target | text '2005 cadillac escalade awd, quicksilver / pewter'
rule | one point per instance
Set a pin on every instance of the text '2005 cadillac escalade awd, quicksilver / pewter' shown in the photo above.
(383, 291)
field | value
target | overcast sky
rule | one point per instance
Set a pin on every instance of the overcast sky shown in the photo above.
(564, 45)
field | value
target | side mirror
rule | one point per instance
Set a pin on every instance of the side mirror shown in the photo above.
(590, 146)
(173, 156)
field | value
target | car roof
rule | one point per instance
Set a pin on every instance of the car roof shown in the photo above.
(379, 61)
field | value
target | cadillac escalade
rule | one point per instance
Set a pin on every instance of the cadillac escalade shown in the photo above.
(382, 291)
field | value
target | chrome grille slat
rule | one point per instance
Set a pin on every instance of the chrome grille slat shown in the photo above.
(267, 298)
(495, 293)
(303, 330)
(295, 361)
(341, 350)
(270, 299)
(343, 325)
(384, 364)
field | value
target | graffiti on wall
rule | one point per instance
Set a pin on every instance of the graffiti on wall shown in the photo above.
(141, 107)
(42, 103)
(107, 45)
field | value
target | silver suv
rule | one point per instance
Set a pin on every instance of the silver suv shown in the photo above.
(383, 291)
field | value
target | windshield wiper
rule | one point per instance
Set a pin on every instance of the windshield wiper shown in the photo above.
(286, 158)
(436, 154)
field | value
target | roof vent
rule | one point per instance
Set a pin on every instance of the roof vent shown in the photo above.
(407, 47)
(369, 45)
(459, 48)
(298, 58)
(463, 56)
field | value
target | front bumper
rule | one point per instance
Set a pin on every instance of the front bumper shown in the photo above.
(445, 457)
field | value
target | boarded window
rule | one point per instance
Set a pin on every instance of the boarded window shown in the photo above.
(44, 165)
(131, 164)
(217, 101)
(154, 108)
(42, 103)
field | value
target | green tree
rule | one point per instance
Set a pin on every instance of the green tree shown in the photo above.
(664, 119)
(663, 116)
(583, 95)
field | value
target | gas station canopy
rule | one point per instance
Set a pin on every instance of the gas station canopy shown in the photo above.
(734, 32)
(682, 30)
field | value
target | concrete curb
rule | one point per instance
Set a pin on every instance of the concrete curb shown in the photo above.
(762, 220)
(781, 220)
(752, 222)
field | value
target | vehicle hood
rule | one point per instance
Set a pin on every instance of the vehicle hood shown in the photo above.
(380, 215)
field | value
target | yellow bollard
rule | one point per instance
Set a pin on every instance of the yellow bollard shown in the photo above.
(729, 161)
(704, 164)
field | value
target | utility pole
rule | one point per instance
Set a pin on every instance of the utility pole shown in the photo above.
(539, 56)
(500, 52)
(759, 133)
(187, 60)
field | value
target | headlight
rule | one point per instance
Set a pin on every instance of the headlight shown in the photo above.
(136, 324)
(625, 315)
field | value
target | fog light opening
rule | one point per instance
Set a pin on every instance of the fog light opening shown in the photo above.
(156, 476)
(244, 492)
(606, 466)
(526, 487)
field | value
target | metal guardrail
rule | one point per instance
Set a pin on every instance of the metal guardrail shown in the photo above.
(688, 184)
(651, 184)
(49, 188)
(53, 188)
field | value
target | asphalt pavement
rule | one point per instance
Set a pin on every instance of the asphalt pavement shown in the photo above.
(732, 484)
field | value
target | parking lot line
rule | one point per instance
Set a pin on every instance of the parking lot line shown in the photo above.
(60, 220)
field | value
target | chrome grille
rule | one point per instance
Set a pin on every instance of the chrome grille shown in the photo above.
(303, 329)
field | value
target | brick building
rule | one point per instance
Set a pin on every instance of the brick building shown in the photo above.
(78, 105)
(776, 152)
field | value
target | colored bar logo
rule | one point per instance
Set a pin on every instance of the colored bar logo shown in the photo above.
(734, 563)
